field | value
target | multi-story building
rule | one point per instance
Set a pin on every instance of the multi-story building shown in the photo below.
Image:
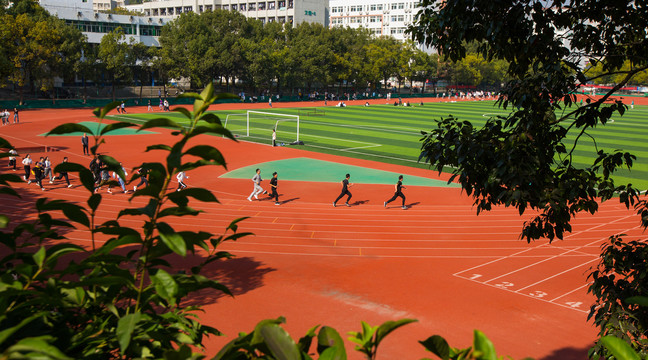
(381, 17)
(283, 11)
(102, 5)
(94, 24)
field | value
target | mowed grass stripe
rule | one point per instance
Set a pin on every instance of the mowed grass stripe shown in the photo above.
(356, 131)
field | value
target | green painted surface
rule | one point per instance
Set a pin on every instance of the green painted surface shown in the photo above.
(305, 169)
(96, 128)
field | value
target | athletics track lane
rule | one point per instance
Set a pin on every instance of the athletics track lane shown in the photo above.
(338, 266)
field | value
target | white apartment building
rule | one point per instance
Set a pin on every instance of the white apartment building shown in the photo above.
(381, 17)
(82, 15)
(283, 11)
(99, 5)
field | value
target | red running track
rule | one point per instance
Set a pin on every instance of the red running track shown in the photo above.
(314, 264)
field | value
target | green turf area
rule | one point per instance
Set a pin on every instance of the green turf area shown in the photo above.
(95, 129)
(305, 169)
(392, 134)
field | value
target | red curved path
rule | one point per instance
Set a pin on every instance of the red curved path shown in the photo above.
(314, 264)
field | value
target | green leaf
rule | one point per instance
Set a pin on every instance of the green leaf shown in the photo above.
(208, 153)
(438, 346)
(333, 353)
(115, 126)
(102, 112)
(6, 333)
(387, 327)
(39, 345)
(39, 256)
(93, 201)
(166, 286)
(69, 128)
(257, 337)
(619, 348)
(172, 240)
(484, 346)
(281, 345)
(160, 122)
(125, 327)
(329, 337)
(4, 221)
(305, 341)
(200, 194)
(638, 300)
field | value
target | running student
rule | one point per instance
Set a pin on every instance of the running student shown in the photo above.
(273, 186)
(181, 177)
(398, 193)
(257, 186)
(27, 161)
(143, 173)
(345, 191)
(64, 174)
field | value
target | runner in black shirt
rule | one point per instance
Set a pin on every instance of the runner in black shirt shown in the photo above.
(399, 187)
(345, 191)
(273, 186)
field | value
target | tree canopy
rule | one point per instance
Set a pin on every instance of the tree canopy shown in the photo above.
(526, 158)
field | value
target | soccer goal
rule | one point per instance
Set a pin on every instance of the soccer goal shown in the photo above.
(237, 124)
(260, 125)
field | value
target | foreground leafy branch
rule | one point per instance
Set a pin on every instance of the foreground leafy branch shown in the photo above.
(59, 300)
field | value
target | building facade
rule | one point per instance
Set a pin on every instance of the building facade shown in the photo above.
(283, 11)
(381, 17)
(94, 24)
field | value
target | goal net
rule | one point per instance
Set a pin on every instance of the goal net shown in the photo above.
(258, 126)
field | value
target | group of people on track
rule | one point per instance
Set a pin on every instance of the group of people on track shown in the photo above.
(43, 169)
(257, 189)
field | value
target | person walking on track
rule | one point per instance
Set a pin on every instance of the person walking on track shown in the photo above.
(274, 137)
(27, 161)
(143, 173)
(181, 178)
(64, 174)
(257, 186)
(12, 158)
(273, 186)
(345, 191)
(398, 193)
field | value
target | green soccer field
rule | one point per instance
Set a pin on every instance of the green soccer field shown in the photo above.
(392, 134)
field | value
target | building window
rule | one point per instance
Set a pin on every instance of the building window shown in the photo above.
(290, 19)
(376, 7)
(225, 7)
(282, 19)
(271, 5)
(271, 19)
(355, 8)
(398, 18)
(188, 9)
(252, 7)
(282, 5)
(290, 5)
(242, 7)
(261, 6)
(178, 10)
(208, 7)
(234, 7)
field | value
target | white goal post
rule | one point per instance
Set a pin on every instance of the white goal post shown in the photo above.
(258, 125)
